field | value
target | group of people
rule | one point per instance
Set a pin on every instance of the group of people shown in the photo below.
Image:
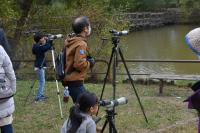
(78, 61)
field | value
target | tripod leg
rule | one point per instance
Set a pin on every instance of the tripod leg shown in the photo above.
(104, 126)
(59, 101)
(105, 79)
(29, 92)
(114, 73)
(131, 80)
(112, 127)
(57, 87)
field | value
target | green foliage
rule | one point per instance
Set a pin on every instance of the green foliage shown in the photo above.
(188, 4)
(142, 5)
(55, 16)
(8, 9)
(189, 7)
(149, 4)
(59, 16)
(102, 21)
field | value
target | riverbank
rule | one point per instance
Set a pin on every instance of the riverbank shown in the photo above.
(145, 20)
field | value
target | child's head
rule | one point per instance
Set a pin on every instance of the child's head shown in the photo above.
(39, 37)
(88, 102)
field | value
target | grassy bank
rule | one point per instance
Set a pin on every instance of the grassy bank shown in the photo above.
(166, 113)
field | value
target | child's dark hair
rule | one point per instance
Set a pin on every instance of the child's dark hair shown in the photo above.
(84, 102)
(38, 36)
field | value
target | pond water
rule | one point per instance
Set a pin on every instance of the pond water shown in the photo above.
(165, 43)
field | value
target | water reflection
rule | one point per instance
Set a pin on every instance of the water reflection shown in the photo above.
(161, 43)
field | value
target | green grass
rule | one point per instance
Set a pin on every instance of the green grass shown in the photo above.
(162, 111)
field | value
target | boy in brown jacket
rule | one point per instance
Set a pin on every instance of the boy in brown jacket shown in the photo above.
(78, 60)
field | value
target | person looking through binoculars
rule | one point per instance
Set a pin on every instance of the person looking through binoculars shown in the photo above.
(78, 59)
(39, 48)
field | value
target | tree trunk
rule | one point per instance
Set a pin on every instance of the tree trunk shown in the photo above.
(25, 6)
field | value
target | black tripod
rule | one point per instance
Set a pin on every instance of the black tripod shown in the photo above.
(57, 87)
(32, 85)
(110, 120)
(114, 57)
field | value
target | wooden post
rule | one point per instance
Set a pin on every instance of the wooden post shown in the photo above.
(161, 86)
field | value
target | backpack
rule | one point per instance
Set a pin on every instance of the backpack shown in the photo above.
(60, 65)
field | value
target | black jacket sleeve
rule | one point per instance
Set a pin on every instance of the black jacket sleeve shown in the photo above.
(38, 49)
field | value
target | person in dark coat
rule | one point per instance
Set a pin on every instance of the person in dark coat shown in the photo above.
(39, 49)
(194, 100)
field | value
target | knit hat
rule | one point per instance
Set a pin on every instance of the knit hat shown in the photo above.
(193, 40)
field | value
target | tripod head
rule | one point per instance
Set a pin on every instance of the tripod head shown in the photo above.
(119, 33)
(116, 34)
(110, 112)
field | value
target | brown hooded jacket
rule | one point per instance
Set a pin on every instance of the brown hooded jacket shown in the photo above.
(76, 59)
